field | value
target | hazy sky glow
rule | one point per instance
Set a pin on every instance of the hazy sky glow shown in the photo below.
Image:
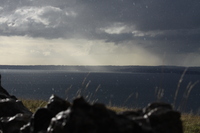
(110, 32)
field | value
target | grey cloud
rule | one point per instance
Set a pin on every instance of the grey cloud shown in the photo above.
(146, 15)
(158, 25)
(169, 15)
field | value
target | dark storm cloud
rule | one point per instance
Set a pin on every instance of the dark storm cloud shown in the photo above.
(165, 25)
(170, 15)
(146, 14)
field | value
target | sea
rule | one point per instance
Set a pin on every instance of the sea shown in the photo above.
(123, 86)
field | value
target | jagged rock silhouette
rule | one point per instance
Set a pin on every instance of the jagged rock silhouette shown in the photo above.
(60, 116)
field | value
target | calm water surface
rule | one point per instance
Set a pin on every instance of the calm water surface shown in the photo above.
(121, 89)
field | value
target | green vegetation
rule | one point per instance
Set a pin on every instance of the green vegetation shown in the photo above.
(33, 105)
(118, 109)
(191, 123)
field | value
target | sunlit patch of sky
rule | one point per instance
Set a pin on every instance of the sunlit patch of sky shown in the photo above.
(131, 32)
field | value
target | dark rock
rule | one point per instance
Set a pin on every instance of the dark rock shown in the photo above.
(42, 117)
(82, 117)
(39, 121)
(13, 114)
(56, 104)
(165, 121)
(10, 107)
(132, 114)
(155, 105)
(59, 116)
(14, 123)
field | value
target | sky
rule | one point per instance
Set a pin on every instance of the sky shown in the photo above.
(100, 32)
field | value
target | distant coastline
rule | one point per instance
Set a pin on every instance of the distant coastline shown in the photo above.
(119, 69)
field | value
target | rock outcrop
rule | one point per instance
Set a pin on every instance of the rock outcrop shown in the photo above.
(13, 114)
(60, 116)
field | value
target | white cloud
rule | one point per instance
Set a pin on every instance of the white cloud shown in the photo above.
(3, 20)
(47, 16)
(24, 50)
(32, 21)
(137, 33)
(117, 28)
(46, 53)
(30, 51)
(30, 15)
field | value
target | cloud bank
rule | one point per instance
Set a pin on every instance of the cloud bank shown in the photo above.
(120, 32)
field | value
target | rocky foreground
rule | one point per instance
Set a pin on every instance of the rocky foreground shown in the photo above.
(60, 116)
